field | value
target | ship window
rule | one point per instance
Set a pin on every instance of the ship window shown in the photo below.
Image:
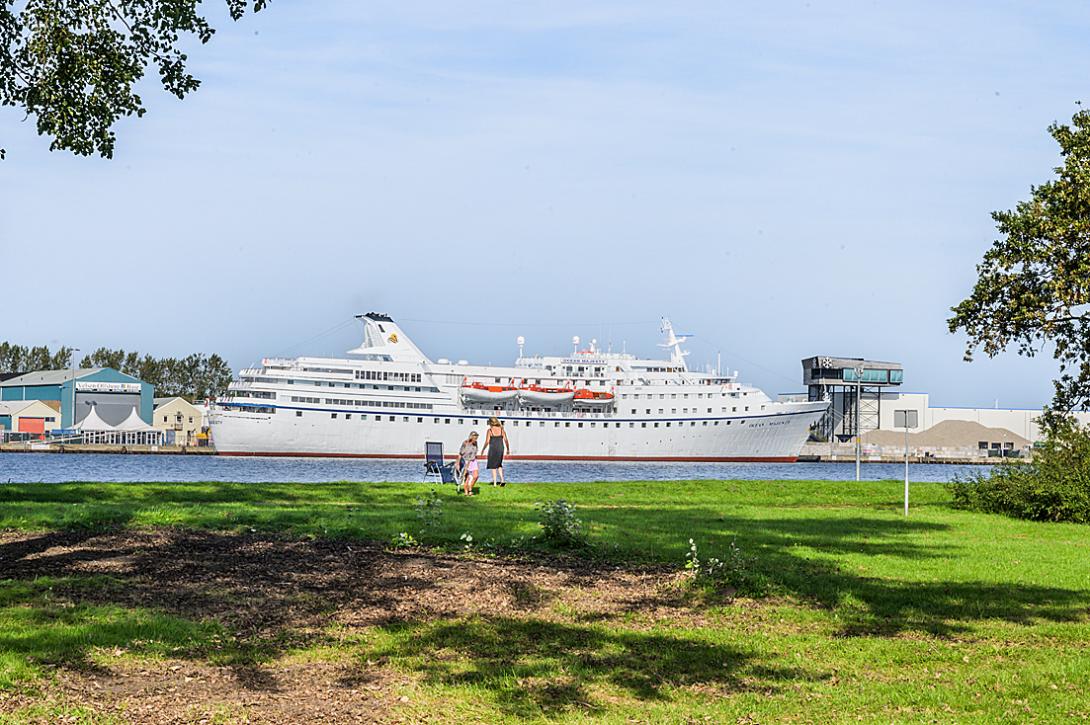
(667, 424)
(541, 424)
(446, 421)
(633, 411)
(717, 423)
(673, 395)
(461, 421)
(728, 422)
(631, 425)
(741, 422)
(693, 422)
(673, 410)
(581, 424)
(747, 407)
(705, 422)
(568, 424)
(419, 420)
(556, 425)
(734, 409)
(332, 415)
(392, 418)
(348, 416)
(648, 411)
(298, 414)
(643, 425)
(656, 425)
(435, 420)
(404, 419)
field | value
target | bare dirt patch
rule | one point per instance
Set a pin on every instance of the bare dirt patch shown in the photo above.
(271, 595)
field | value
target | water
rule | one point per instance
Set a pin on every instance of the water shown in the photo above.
(54, 468)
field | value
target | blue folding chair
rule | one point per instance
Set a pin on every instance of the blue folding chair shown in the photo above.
(434, 466)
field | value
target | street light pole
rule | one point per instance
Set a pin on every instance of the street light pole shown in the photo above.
(858, 402)
(72, 362)
(906, 466)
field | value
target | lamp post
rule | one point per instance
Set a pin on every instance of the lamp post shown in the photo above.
(906, 419)
(73, 364)
(858, 402)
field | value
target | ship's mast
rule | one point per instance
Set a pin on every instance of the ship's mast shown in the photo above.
(673, 343)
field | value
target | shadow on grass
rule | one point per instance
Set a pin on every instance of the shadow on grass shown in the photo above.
(802, 557)
(531, 667)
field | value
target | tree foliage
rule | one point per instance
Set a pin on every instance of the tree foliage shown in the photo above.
(194, 377)
(19, 358)
(74, 64)
(1054, 487)
(1033, 276)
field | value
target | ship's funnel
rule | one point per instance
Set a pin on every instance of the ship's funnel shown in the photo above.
(382, 336)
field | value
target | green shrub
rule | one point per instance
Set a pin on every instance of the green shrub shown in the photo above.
(404, 540)
(737, 571)
(429, 510)
(559, 525)
(1055, 486)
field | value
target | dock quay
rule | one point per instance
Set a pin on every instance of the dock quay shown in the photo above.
(913, 459)
(38, 447)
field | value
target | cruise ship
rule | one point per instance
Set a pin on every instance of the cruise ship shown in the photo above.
(386, 398)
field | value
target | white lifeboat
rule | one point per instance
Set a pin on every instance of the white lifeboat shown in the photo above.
(481, 393)
(592, 398)
(536, 395)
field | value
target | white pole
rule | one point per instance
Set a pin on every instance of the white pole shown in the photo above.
(906, 463)
(858, 439)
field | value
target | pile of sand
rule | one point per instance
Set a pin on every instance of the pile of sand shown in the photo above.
(947, 434)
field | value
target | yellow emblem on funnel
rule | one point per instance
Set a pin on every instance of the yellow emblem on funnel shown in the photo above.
(392, 337)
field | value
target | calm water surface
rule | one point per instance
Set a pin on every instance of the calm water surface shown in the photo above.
(55, 468)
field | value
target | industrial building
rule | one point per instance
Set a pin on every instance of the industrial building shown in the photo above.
(864, 396)
(855, 388)
(112, 395)
(32, 417)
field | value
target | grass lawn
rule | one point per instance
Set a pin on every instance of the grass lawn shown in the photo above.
(944, 616)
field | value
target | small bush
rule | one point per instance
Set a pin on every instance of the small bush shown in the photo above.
(559, 525)
(429, 509)
(737, 571)
(1054, 487)
(404, 540)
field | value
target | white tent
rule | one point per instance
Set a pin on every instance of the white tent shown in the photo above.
(134, 423)
(93, 423)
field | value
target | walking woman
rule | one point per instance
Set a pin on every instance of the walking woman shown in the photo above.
(467, 456)
(496, 443)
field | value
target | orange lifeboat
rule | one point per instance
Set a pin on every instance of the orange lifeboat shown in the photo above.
(537, 395)
(593, 398)
(481, 393)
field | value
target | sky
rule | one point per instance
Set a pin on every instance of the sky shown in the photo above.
(782, 180)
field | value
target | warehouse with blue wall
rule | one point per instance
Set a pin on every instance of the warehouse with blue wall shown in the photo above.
(111, 393)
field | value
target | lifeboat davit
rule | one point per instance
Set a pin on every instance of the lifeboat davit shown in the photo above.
(535, 395)
(481, 393)
(593, 398)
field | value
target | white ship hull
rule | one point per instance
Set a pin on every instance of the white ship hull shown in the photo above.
(776, 437)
